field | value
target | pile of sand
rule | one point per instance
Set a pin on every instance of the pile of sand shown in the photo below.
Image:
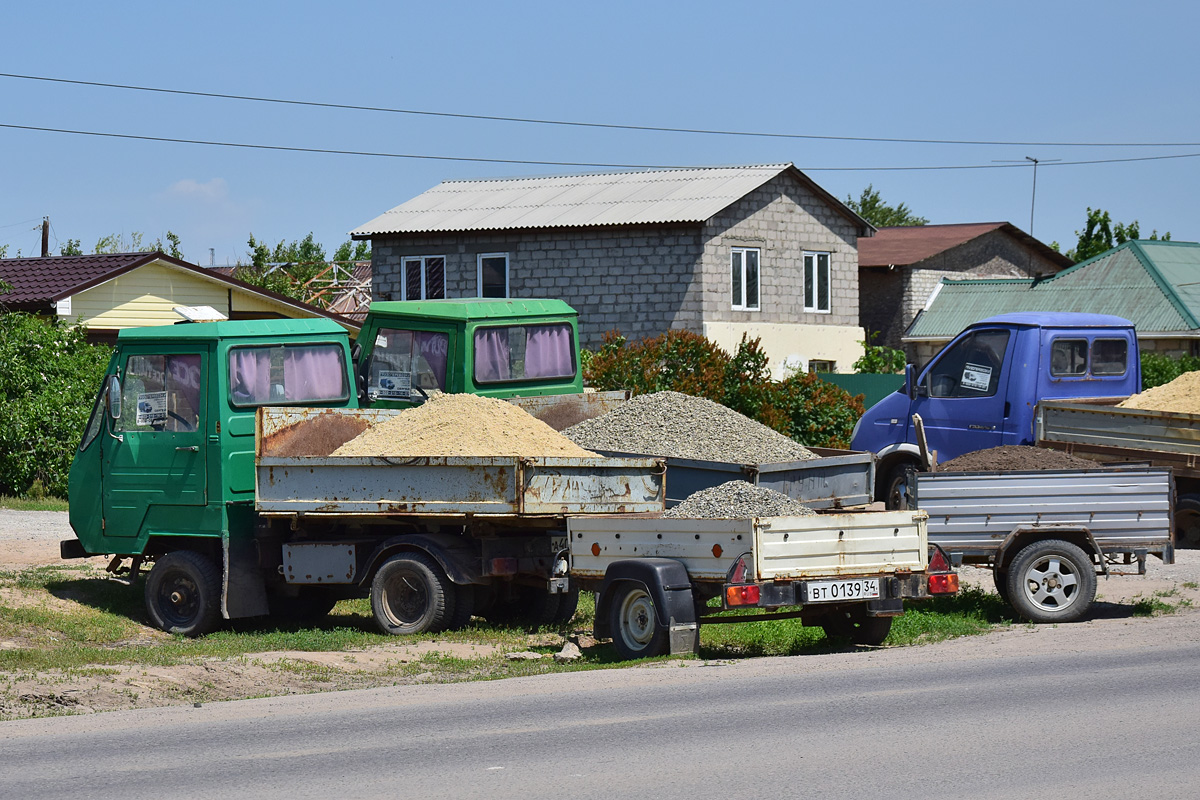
(1181, 395)
(462, 425)
(1015, 457)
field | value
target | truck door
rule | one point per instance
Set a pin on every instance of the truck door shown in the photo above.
(156, 457)
(962, 395)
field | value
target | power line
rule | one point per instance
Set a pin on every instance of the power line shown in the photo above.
(371, 154)
(579, 124)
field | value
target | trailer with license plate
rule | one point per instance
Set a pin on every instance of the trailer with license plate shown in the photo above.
(656, 578)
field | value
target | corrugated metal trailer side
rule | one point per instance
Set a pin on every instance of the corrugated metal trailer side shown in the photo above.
(1124, 508)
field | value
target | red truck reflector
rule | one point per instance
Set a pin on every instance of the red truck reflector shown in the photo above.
(944, 583)
(742, 595)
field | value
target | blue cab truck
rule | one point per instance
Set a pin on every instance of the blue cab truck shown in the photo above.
(982, 390)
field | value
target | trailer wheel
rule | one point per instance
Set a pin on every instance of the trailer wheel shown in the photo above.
(183, 593)
(1187, 521)
(897, 490)
(410, 594)
(567, 608)
(853, 623)
(1051, 581)
(1000, 579)
(634, 623)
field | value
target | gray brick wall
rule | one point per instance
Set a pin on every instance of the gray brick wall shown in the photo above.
(649, 279)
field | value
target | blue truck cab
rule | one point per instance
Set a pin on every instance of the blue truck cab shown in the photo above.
(982, 389)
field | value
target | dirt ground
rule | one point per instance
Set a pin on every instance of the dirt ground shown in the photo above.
(31, 539)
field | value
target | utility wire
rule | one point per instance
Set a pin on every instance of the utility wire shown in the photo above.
(577, 124)
(371, 154)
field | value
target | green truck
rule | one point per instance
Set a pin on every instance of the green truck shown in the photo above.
(175, 456)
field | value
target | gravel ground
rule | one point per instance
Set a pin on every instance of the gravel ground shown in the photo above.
(675, 425)
(738, 500)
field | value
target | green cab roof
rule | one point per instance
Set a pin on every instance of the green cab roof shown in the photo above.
(234, 329)
(473, 309)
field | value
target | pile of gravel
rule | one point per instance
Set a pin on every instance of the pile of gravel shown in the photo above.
(674, 425)
(738, 500)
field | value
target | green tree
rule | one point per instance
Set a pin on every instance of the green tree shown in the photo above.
(71, 248)
(879, 358)
(870, 206)
(351, 250)
(117, 243)
(1100, 234)
(47, 388)
(288, 269)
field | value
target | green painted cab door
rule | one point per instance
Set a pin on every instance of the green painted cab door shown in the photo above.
(155, 463)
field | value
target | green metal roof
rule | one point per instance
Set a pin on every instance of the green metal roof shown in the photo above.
(1155, 284)
(228, 329)
(473, 308)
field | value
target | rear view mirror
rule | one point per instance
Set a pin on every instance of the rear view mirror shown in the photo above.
(910, 381)
(114, 397)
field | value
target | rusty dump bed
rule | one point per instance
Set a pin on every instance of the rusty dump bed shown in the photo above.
(783, 548)
(451, 485)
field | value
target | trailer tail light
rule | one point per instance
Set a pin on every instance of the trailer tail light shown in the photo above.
(742, 595)
(943, 583)
(938, 561)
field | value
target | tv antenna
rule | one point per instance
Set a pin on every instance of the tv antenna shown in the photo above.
(1033, 198)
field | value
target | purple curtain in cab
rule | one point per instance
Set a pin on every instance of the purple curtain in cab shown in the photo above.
(313, 373)
(433, 348)
(184, 374)
(548, 352)
(249, 376)
(491, 354)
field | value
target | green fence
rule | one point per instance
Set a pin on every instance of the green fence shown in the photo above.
(874, 387)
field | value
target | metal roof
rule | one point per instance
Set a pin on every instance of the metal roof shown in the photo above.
(571, 201)
(904, 245)
(1154, 284)
(458, 309)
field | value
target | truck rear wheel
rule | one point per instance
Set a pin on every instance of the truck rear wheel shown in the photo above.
(1187, 521)
(1051, 581)
(183, 593)
(854, 624)
(634, 623)
(411, 594)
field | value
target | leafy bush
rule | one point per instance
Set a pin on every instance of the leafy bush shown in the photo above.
(877, 358)
(809, 410)
(47, 387)
(1158, 369)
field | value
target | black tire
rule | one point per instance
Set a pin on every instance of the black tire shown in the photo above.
(851, 623)
(897, 493)
(1000, 579)
(1051, 581)
(183, 593)
(411, 594)
(567, 607)
(633, 620)
(464, 606)
(1187, 522)
(309, 604)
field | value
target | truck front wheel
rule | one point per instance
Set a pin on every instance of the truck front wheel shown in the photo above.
(634, 623)
(183, 593)
(411, 594)
(1051, 581)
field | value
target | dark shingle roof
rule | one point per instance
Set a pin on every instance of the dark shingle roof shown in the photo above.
(38, 282)
(902, 246)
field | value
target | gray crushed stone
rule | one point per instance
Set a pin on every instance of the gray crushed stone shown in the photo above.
(675, 425)
(738, 500)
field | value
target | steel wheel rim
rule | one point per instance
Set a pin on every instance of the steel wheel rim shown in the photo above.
(1051, 583)
(637, 620)
(405, 598)
(179, 599)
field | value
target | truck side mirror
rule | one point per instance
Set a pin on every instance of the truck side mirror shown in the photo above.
(114, 397)
(910, 381)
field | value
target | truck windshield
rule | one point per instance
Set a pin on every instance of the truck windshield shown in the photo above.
(407, 362)
(524, 352)
(970, 367)
(287, 375)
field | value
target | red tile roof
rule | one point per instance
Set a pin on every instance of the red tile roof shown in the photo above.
(902, 246)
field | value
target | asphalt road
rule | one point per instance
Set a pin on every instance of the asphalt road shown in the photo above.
(1033, 713)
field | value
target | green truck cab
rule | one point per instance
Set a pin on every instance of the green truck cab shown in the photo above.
(495, 348)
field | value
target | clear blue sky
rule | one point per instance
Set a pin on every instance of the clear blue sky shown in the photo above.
(1009, 72)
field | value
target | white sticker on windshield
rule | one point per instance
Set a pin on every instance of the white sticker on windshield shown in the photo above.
(381, 341)
(395, 384)
(977, 377)
(151, 408)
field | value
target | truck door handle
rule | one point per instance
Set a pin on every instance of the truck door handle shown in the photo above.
(193, 449)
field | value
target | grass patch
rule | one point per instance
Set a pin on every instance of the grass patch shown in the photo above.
(1157, 603)
(29, 504)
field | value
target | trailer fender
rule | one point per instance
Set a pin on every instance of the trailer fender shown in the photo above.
(668, 583)
(1021, 537)
(457, 560)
